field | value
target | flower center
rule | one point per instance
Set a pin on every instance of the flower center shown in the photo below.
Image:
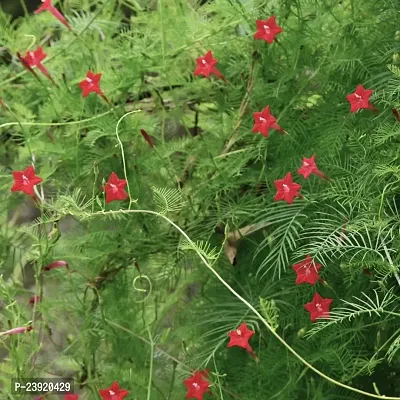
(267, 28)
(306, 164)
(114, 188)
(357, 95)
(239, 332)
(319, 308)
(261, 119)
(25, 180)
(196, 385)
(203, 62)
(89, 80)
(286, 188)
(111, 393)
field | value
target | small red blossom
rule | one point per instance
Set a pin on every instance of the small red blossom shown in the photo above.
(240, 337)
(360, 99)
(34, 59)
(307, 271)
(264, 121)
(114, 392)
(396, 114)
(24, 181)
(56, 264)
(48, 6)
(147, 138)
(34, 299)
(287, 189)
(70, 396)
(308, 167)
(318, 307)
(16, 331)
(196, 385)
(115, 189)
(206, 66)
(91, 84)
(267, 29)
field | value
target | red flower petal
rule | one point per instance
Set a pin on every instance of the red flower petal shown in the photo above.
(24, 181)
(318, 307)
(287, 190)
(196, 385)
(267, 29)
(307, 271)
(240, 337)
(114, 392)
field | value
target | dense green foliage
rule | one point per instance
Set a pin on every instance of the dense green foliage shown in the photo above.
(139, 305)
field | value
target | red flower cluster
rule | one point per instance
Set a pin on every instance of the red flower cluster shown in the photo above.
(307, 272)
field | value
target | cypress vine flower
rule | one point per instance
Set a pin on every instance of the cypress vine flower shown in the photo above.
(307, 271)
(287, 189)
(56, 264)
(24, 181)
(359, 99)
(240, 337)
(267, 29)
(16, 331)
(34, 299)
(115, 189)
(264, 121)
(34, 59)
(196, 385)
(92, 84)
(206, 66)
(70, 396)
(309, 167)
(318, 307)
(147, 138)
(114, 392)
(48, 6)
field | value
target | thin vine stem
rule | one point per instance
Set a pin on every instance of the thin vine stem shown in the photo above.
(244, 301)
(123, 152)
(56, 123)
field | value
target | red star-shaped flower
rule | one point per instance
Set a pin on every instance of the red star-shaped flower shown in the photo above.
(69, 396)
(287, 189)
(25, 180)
(360, 99)
(240, 337)
(318, 307)
(196, 385)
(48, 6)
(267, 29)
(34, 59)
(263, 121)
(91, 84)
(115, 188)
(309, 167)
(307, 271)
(206, 66)
(114, 392)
